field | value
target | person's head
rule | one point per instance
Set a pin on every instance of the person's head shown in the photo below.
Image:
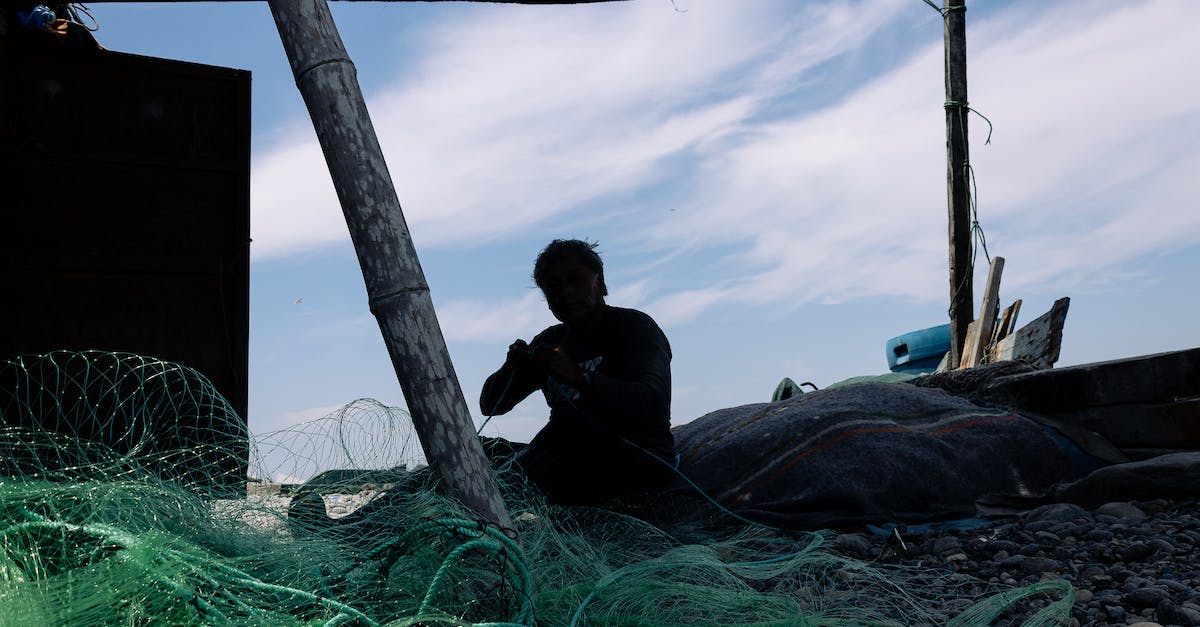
(571, 276)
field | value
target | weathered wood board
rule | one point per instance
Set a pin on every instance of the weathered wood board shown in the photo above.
(1006, 324)
(1038, 342)
(979, 335)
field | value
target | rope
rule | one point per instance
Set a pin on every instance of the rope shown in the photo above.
(76, 9)
(944, 11)
(976, 229)
(499, 400)
(192, 562)
(815, 542)
(475, 535)
(978, 237)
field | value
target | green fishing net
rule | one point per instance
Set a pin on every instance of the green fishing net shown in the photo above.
(116, 509)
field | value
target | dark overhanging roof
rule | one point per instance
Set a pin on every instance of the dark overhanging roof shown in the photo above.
(487, 1)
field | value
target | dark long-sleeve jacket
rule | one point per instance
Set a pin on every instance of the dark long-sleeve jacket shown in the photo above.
(629, 389)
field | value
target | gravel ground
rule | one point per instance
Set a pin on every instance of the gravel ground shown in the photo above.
(1130, 563)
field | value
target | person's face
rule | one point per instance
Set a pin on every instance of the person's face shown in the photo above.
(572, 292)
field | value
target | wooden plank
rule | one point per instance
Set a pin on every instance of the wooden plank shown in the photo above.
(1038, 342)
(1006, 324)
(1159, 378)
(969, 345)
(978, 337)
(1012, 322)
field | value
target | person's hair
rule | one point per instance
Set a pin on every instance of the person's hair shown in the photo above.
(562, 249)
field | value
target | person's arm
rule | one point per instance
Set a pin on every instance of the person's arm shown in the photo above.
(512, 383)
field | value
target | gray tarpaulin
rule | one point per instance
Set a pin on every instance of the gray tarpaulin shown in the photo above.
(869, 453)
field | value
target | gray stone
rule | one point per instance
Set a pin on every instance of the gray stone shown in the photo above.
(1127, 512)
(1038, 565)
(1121, 574)
(944, 545)
(1080, 529)
(1047, 538)
(854, 545)
(1133, 583)
(1063, 553)
(1084, 596)
(1001, 545)
(1040, 525)
(1171, 614)
(1176, 586)
(1137, 551)
(1146, 597)
(1013, 562)
(1058, 512)
(1163, 545)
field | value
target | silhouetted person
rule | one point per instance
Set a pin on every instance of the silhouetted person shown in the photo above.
(605, 373)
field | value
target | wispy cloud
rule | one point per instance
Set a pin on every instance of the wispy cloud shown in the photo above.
(518, 115)
(472, 320)
(515, 117)
(1085, 171)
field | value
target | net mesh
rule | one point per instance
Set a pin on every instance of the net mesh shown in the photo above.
(116, 511)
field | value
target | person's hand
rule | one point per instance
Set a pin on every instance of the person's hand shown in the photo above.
(558, 364)
(519, 353)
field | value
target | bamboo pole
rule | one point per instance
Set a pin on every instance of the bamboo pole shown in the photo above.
(396, 288)
(957, 176)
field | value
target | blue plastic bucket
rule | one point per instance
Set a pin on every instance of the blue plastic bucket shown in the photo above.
(918, 351)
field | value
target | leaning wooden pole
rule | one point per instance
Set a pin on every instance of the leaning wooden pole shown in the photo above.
(396, 289)
(958, 174)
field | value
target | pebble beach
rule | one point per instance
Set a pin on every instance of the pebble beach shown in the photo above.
(1131, 563)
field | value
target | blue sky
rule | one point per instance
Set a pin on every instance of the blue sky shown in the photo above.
(766, 178)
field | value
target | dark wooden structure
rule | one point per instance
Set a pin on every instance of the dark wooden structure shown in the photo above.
(1145, 406)
(124, 190)
(958, 173)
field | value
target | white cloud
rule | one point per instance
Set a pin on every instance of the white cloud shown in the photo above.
(519, 114)
(473, 321)
(681, 306)
(1089, 167)
(515, 117)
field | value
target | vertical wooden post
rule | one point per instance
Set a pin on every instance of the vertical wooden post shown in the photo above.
(396, 289)
(958, 191)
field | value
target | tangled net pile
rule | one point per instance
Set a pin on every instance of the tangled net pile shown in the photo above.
(133, 532)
